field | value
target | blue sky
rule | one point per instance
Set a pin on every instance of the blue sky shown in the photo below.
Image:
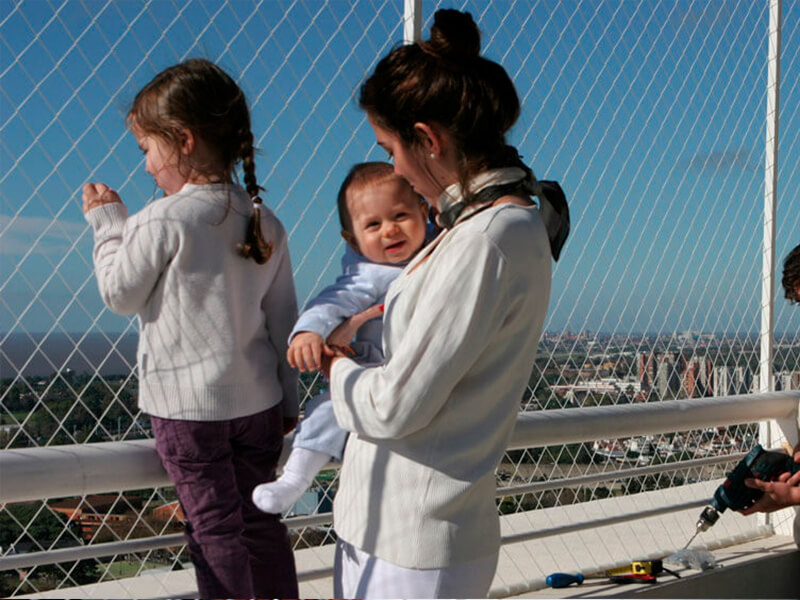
(652, 116)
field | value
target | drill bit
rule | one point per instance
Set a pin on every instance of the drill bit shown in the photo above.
(691, 539)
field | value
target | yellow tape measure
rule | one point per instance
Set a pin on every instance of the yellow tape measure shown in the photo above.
(638, 567)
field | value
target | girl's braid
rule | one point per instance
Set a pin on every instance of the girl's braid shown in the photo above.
(254, 245)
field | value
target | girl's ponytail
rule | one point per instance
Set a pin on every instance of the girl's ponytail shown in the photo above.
(254, 245)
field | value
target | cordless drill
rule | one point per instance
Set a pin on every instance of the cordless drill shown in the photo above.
(734, 494)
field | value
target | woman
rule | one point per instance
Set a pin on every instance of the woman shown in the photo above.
(415, 510)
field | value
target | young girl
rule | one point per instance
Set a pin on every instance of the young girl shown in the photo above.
(207, 271)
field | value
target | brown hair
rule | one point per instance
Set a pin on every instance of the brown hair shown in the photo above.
(791, 274)
(200, 96)
(359, 176)
(445, 81)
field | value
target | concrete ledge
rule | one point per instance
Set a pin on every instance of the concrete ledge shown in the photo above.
(524, 565)
(159, 583)
(150, 584)
(765, 568)
(768, 568)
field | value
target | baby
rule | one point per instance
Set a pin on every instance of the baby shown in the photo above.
(385, 222)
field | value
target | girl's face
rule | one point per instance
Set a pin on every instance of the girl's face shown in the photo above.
(407, 163)
(162, 161)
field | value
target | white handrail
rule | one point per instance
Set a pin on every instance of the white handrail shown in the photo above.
(56, 471)
(571, 425)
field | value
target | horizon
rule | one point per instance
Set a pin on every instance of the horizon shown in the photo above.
(677, 333)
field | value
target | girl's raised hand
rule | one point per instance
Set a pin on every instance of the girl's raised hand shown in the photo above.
(97, 194)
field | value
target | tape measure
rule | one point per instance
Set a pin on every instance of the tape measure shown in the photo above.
(638, 567)
(639, 571)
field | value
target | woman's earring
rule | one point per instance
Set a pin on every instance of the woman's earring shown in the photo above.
(433, 155)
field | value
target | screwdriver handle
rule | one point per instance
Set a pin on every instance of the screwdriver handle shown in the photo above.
(561, 580)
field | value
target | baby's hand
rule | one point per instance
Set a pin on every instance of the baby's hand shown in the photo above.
(305, 351)
(97, 194)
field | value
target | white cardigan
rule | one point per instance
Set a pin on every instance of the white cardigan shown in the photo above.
(213, 325)
(461, 331)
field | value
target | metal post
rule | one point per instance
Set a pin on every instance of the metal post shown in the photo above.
(412, 21)
(770, 193)
(769, 428)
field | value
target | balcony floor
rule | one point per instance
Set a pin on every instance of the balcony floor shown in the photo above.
(735, 541)
(764, 568)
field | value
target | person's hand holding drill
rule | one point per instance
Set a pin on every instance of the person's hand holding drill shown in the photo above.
(786, 490)
(777, 494)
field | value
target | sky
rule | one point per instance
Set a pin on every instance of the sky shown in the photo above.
(652, 115)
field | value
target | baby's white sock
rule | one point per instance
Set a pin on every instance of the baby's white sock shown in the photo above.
(298, 473)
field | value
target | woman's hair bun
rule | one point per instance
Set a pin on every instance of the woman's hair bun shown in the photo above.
(454, 35)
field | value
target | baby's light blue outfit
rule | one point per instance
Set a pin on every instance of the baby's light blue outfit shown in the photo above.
(361, 285)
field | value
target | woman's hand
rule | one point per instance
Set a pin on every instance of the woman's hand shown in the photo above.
(97, 194)
(328, 360)
(344, 333)
(338, 342)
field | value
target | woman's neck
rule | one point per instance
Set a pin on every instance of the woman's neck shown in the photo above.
(455, 204)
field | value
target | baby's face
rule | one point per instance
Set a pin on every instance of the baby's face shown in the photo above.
(389, 221)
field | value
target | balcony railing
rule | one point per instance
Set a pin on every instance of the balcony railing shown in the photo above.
(33, 474)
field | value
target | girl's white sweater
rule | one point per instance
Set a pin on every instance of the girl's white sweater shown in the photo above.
(213, 325)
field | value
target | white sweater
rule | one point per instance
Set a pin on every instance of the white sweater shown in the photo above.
(213, 325)
(460, 336)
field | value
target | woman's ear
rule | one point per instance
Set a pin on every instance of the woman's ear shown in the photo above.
(433, 142)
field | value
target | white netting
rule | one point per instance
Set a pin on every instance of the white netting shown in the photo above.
(651, 115)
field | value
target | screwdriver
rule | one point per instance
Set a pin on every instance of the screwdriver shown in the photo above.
(562, 580)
